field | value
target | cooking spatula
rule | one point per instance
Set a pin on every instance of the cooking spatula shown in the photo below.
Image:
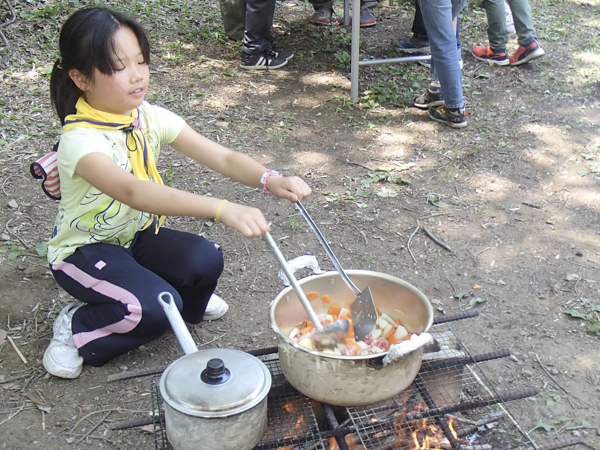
(364, 314)
(335, 331)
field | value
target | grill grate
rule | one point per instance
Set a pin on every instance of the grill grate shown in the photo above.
(446, 396)
(451, 403)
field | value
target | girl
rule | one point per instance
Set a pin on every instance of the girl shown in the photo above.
(108, 248)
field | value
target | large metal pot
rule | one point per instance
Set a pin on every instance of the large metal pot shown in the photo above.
(215, 399)
(350, 380)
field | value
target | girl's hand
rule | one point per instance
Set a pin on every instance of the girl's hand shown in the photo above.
(292, 188)
(248, 221)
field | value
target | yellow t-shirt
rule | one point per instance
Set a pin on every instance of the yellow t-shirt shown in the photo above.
(86, 215)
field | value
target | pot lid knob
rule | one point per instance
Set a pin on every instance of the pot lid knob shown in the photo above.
(215, 372)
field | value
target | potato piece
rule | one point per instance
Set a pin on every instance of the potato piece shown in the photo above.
(308, 343)
(400, 332)
(389, 319)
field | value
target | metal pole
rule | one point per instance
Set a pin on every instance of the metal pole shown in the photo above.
(355, 51)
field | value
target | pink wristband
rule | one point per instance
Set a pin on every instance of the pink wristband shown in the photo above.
(265, 176)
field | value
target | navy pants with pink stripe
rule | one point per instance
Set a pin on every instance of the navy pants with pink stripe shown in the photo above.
(120, 287)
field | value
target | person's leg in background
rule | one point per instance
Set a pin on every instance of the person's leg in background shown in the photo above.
(257, 50)
(495, 53)
(324, 12)
(419, 42)
(529, 47)
(438, 17)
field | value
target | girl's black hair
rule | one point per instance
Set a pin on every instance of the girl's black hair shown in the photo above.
(87, 43)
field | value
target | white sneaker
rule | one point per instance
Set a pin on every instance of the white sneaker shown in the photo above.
(508, 17)
(62, 358)
(216, 308)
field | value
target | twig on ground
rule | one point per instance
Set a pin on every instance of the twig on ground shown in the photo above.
(484, 250)
(17, 350)
(87, 433)
(436, 240)
(531, 205)
(458, 194)
(582, 265)
(550, 376)
(13, 414)
(211, 341)
(109, 410)
(410, 239)
(361, 233)
(576, 283)
(15, 234)
(453, 288)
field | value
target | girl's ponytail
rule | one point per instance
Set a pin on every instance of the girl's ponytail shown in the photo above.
(63, 91)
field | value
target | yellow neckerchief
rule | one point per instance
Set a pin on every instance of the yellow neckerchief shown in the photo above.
(143, 164)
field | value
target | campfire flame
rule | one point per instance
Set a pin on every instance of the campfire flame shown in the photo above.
(422, 435)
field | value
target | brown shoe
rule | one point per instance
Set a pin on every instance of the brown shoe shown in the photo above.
(322, 16)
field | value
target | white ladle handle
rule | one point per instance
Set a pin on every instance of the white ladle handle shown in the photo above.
(181, 331)
(294, 283)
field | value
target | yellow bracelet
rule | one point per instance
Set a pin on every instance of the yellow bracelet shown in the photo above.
(219, 208)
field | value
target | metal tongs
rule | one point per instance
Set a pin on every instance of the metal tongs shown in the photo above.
(364, 314)
(335, 331)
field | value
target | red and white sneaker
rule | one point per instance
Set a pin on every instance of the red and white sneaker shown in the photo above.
(497, 57)
(527, 53)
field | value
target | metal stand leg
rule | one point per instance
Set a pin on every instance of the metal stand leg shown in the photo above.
(8, 22)
(354, 52)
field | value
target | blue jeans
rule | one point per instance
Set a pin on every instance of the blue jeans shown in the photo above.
(420, 33)
(438, 16)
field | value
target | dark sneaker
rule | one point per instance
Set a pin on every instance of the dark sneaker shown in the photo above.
(527, 53)
(367, 18)
(263, 61)
(322, 16)
(413, 45)
(429, 98)
(282, 53)
(456, 118)
(497, 57)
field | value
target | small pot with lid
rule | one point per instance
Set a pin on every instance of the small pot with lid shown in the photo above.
(214, 398)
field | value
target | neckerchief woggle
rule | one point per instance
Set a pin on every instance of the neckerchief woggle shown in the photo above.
(143, 164)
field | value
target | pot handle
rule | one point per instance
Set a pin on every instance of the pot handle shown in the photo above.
(179, 327)
(397, 351)
(300, 262)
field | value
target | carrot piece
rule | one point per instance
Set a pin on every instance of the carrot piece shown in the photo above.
(354, 345)
(325, 298)
(334, 310)
(312, 295)
(407, 337)
(344, 317)
(350, 334)
(393, 340)
(398, 322)
(391, 332)
(308, 328)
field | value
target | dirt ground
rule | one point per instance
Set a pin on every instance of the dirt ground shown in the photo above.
(515, 197)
